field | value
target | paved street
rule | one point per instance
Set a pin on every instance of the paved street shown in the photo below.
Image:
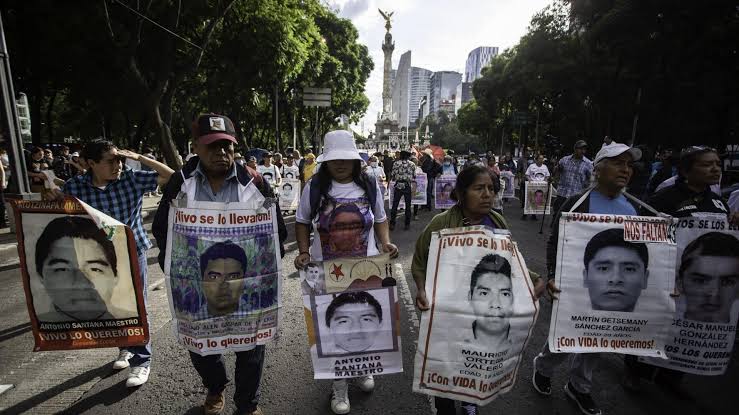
(84, 381)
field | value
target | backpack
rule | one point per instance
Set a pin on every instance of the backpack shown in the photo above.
(315, 195)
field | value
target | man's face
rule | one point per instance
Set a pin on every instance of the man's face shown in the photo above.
(48, 155)
(579, 152)
(287, 191)
(539, 198)
(616, 171)
(706, 169)
(615, 278)
(540, 161)
(414, 187)
(37, 155)
(223, 284)
(346, 231)
(216, 157)
(289, 161)
(78, 277)
(267, 160)
(109, 167)
(355, 326)
(492, 302)
(312, 273)
(711, 285)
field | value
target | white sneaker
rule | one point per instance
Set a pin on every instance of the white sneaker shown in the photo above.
(138, 376)
(366, 383)
(340, 397)
(122, 361)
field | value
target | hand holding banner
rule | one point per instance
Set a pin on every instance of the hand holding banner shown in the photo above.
(81, 276)
(616, 276)
(481, 317)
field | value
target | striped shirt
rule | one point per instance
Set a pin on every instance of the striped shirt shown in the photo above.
(574, 176)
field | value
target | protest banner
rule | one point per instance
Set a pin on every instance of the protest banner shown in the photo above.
(701, 337)
(482, 315)
(352, 316)
(536, 198)
(443, 188)
(418, 189)
(289, 194)
(509, 187)
(617, 275)
(80, 274)
(222, 271)
(268, 173)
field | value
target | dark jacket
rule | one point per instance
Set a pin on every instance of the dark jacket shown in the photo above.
(554, 231)
(679, 201)
(172, 189)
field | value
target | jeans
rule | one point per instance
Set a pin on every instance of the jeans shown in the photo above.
(581, 367)
(430, 194)
(248, 374)
(397, 194)
(445, 406)
(142, 354)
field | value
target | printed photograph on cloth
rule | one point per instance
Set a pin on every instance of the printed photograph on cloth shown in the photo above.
(80, 270)
(289, 194)
(508, 188)
(418, 189)
(536, 202)
(481, 317)
(701, 339)
(351, 312)
(223, 280)
(443, 189)
(616, 274)
(344, 226)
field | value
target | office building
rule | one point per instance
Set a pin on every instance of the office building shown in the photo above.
(420, 83)
(443, 88)
(401, 89)
(477, 59)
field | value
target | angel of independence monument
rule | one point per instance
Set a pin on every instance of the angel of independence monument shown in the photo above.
(387, 130)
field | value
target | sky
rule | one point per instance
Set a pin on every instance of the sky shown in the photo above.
(440, 33)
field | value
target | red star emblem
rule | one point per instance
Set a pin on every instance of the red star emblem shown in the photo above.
(337, 273)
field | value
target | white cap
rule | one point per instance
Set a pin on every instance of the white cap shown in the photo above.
(339, 145)
(614, 150)
(75, 154)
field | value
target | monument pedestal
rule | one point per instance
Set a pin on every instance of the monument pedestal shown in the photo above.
(387, 132)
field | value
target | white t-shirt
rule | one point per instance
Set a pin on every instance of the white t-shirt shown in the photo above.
(271, 174)
(537, 173)
(376, 172)
(354, 234)
(290, 172)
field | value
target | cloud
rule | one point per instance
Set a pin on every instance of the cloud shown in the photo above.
(354, 8)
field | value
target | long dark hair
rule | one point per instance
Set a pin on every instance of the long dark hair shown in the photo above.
(358, 176)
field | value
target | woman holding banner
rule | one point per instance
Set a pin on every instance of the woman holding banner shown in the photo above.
(474, 193)
(346, 209)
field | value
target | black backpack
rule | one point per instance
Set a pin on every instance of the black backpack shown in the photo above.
(315, 195)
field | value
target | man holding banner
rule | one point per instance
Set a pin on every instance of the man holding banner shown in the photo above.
(113, 188)
(613, 170)
(213, 176)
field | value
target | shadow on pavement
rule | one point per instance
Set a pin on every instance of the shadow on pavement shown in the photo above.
(29, 404)
(106, 397)
(14, 331)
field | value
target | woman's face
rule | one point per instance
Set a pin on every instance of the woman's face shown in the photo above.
(479, 196)
(340, 170)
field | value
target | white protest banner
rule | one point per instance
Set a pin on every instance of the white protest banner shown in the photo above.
(701, 338)
(443, 188)
(536, 194)
(269, 173)
(509, 187)
(617, 275)
(290, 172)
(80, 273)
(289, 194)
(222, 272)
(418, 189)
(481, 317)
(351, 313)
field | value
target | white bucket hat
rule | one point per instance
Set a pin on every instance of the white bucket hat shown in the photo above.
(339, 145)
(614, 150)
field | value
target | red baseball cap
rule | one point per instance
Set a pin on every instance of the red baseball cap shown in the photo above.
(213, 127)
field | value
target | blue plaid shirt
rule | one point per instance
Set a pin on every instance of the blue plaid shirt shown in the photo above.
(120, 199)
(574, 175)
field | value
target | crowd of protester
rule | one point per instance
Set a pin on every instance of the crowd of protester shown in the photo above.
(619, 180)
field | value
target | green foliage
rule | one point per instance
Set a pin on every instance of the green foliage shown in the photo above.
(588, 67)
(97, 68)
